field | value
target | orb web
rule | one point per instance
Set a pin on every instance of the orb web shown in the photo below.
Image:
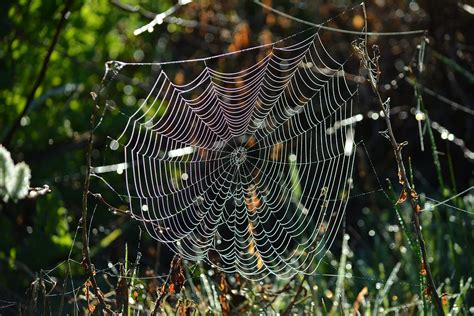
(250, 168)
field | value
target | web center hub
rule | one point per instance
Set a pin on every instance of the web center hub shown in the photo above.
(238, 156)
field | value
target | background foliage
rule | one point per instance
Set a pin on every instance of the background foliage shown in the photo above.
(39, 234)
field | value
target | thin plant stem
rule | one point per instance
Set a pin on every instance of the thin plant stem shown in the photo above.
(86, 257)
(434, 148)
(372, 66)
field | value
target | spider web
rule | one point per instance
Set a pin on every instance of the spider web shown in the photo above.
(272, 143)
(248, 169)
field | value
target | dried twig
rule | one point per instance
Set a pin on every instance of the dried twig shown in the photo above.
(166, 17)
(114, 209)
(173, 284)
(408, 193)
(86, 258)
(36, 192)
(121, 291)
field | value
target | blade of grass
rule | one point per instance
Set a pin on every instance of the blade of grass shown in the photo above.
(464, 288)
(388, 284)
(341, 275)
(454, 66)
(434, 149)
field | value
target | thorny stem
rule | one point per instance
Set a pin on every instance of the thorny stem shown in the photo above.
(371, 65)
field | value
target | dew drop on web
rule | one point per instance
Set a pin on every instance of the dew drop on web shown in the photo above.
(114, 145)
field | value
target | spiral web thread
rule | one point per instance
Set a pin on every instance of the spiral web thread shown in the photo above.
(249, 170)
